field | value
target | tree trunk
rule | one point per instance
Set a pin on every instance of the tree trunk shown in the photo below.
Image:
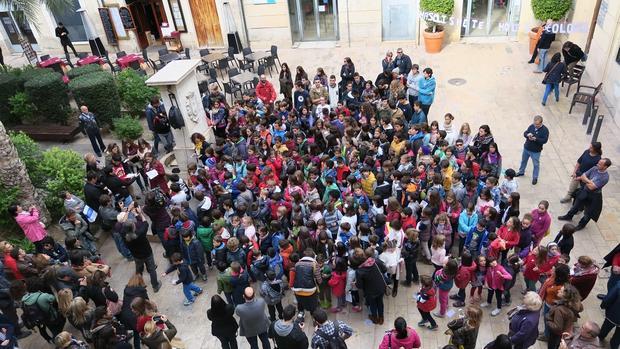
(13, 173)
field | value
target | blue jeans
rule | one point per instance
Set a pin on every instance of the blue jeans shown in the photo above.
(542, 53)
(264, 339)
(555, 86)
(166, 138)
(535, 160)
(546, 309)
(187, 291)
(120, 245)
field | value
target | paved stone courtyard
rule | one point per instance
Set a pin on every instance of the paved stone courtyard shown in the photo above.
(501, 91)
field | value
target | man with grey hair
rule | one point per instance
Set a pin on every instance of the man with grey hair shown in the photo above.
(536, 136)
(90, 128)
(585, 338)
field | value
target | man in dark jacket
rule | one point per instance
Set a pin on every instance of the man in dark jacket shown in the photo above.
(369, 278)
(90, 128)
(134, 233)
(611, 304)
(572, 55)
(305, 277)
(160, 131)
(288, 333)
(536, 136)
(543, 45)
(93, 191)
(63, 34)
(118, 187)
(402, 62)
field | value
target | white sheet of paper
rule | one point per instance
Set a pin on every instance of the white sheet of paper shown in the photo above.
(152, 174)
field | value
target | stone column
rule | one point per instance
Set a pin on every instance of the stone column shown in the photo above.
(178, 78)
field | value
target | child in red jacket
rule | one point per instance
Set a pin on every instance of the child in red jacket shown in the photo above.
(426, 301)
(495, 277)
(462, 278)
(337, 282)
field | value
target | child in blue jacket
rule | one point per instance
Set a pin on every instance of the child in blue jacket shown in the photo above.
(185, 277)
(193, 253)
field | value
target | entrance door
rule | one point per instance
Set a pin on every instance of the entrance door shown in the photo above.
(206, 22)
(490, 17)
(10, 27)
(148, 16)
(397, 23)
(314, 20)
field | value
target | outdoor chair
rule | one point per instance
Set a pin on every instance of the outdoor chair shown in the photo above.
(261, 70)
(247, 66)
(270, 62)
(251, 85)
(231, 55)
(586, 98)
(232, 90)
(44, 57)
(222, 66)
(203, 52)
(274, 55)
(213, 77)
(149, 62)
(574, 77)
(135, 65)
(162, 51)
(82, 55)
(186, 56)
(203, 86)
(246, 51)
(120, 54)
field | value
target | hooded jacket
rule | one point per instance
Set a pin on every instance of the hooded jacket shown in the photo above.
(496, 276)
(288, 335)
(426, 88)
(410, 342)
(369, 278)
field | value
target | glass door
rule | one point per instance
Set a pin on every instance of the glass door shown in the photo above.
(10, 27)
(490, 17)
(313, 20)
(397, 23)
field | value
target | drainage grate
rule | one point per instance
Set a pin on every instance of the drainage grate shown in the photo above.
(457, 81)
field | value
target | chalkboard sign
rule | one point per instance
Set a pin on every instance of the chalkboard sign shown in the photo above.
(127, 18)
(108, 26)
(28, 50)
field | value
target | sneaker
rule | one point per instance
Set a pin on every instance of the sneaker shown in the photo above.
(458, 304)
(519, 174)
(507, 302)
(564, 218)
(187, 302)
(535, 180)
(438, 315)
(484, 305)
(454, 297)
(356, 309)
(301, 316)
(565, 200)
(156, 288)
(433, 328)
(496, 312)
(422, 323)
(199, 292)
(601, 296)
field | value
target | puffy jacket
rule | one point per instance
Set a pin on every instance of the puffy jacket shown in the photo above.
(73, 230)
(464, 275)
(238, 256)
(223, 324)
(426, 299)
(442, 281)
(496, 276)
(523, 328)
(193, 253)
(205, 236)
(390, 340)
(369, 278)
(530, 264)
(467, 222)
(271, 291)
(427, 90)
(265, 92)
(305, 276)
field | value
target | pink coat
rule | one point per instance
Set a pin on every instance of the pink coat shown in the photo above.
(540, 224)
(412, 340)
(337, 282)
(29, 222)
(496, 276)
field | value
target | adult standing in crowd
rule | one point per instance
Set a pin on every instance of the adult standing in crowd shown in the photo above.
(369, 278)
(611, 304)
(346, 73)
(402, 62)
(223, 324)
(544, 43)
(523, 330)
(90, 127)
(563, 313)
(536, 136)
(158, 124)
(288, 333)
(327, 331)
(30, 223)
(253, 322)
(286, 82)
(572, 55)
(387, 63)
(265, 91)
(426, 90)
(588, 159)
(555, 71)
(63, 34)
(590, 197)
(413, 83)
(612, 259)
(586, 337)
(305, 277)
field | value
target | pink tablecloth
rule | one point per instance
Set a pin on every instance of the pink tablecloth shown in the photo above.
(50, 62)
(124, 61)
(89, 60)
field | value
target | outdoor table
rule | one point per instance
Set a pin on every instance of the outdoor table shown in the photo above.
(169, 57)
(50, 62)
(257, 56)
(89, 60)
(213, 57)
(243, 78)
(125, 61)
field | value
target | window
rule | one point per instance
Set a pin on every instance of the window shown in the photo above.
(73, 22)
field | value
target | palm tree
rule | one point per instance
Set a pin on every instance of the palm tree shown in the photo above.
(13, 174)
(28, 10)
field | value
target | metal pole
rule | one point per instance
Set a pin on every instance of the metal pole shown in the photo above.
(348, 25)
(586, 115)
(599, 123)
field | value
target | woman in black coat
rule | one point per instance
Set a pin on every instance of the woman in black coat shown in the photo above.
(554, 72)
(223, 324)
(136, 287)
(346, 72)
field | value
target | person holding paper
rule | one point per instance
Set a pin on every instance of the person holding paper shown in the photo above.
(156, 173)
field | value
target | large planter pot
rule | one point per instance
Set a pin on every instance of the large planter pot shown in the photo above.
(533, 35)
(433, 41)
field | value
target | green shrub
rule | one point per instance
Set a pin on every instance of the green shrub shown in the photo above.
(28, 72)
(128, 127)
(84, 70)
(99, 92)
(22, 109)
(440, 7)
(49, 95)
(64, 170)
(8, 196)
(23, 243)
(9, 84)
(554, 9)
(134, 93)
(31, 155)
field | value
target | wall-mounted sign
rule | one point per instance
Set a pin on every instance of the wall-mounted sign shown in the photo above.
(262, 2)
(127, 18)
(108, 26)
(177, 15)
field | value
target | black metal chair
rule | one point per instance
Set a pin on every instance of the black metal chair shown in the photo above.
(261, 70)
(162, 51)
(251, 85)
(213, 77)
(203, 52)
(231, 55)
(574, 77)
(149, 62)
(247, 66)
(232, 90)
(246, 51)
(274, 54)
(203, 86)
(120, 54)
(135, 65)
(586, 98)
(187, 56)
(44, 57)
(82, 55)
(270, 63)
(222, 66)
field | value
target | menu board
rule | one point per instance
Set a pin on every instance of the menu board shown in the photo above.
(28, 50)
(127, 18)
(108, 26)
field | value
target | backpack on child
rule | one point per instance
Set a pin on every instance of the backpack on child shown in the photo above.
(334, 341)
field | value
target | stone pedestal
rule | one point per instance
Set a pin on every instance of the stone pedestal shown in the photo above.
(178, 79)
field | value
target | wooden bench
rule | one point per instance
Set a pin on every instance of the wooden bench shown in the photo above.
(49, 132)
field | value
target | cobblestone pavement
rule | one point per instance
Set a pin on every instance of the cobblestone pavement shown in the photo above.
(500, 90)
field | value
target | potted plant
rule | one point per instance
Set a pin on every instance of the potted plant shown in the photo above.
(545, 10)
(434, 33)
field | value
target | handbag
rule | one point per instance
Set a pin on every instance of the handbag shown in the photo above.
(386, 280)
(544, 81)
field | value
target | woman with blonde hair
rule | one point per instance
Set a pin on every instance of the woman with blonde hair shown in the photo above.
(464, 332)
(465, 134)
(153, 336)
(65, 340)
(64, 298)
(80, 316)
(523, 328)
